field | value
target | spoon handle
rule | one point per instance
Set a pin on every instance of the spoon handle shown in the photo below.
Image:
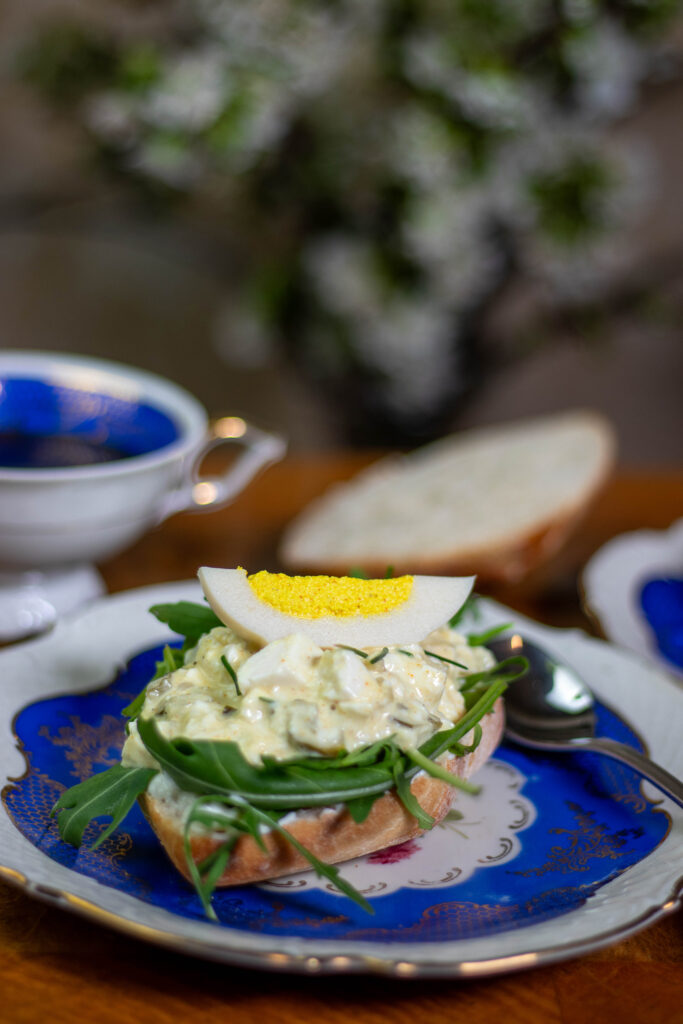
(672, 786)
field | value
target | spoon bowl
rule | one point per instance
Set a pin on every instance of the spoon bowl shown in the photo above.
(549, 707)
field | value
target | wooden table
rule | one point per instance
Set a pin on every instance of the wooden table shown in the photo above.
(57, 966)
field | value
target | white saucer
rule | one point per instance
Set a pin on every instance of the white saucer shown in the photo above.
(613, 578)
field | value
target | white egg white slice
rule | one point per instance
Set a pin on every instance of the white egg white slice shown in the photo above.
(432, 602)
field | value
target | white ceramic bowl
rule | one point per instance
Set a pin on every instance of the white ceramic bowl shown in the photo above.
(56, 518)
(64, 514)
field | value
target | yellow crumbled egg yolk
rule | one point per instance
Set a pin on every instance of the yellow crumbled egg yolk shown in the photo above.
(314, 597)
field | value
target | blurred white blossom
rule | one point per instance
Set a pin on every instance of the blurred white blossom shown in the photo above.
(608, 67)
(421, 147)
(449, 235)
(112, 117)
(382, 164)
(342, 272)
(190, 93)
(581, 272)
(164, 159)
(494, 99)
(410, 342)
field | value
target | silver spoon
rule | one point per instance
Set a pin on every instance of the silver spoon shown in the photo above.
(551, 708)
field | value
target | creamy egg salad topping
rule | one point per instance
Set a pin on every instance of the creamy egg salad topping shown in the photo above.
(294, 698)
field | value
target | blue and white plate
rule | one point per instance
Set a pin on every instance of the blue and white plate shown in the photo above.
(633, 586)
(558, 855)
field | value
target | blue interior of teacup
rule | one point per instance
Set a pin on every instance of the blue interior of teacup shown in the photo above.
(45, 424)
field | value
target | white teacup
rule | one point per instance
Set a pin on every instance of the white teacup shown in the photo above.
(93, 454)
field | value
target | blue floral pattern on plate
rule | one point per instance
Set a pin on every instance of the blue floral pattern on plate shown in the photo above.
(592, 823)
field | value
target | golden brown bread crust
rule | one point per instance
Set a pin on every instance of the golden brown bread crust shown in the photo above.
(332, 835)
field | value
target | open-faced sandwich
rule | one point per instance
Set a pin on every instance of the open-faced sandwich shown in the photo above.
(303, 721)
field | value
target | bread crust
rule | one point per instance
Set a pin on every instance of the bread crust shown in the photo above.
(329, 833)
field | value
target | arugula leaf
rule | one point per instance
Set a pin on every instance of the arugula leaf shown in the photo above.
(469, 607)
(206, 766)
(204, 876)
(173, 658)
(135, 707)
(321, 869)
(112, 793)
(506, 671)
(481, 639)
(378, 751)
(437, 771)
(207, 874)
(188, 618)
(476, 740)
(448, 738)
(360, 807)
(409, 800)
(192, 621)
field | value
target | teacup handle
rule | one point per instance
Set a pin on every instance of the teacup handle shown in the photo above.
(207, 493)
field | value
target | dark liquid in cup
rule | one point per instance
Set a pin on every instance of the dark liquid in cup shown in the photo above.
(55, 451)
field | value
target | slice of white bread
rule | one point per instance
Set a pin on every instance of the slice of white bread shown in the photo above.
(492, 502)
(330, 833)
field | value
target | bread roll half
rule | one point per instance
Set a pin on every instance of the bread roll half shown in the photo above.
(330, 833)
(494, 502)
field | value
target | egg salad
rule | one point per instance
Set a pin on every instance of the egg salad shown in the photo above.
(292, 697)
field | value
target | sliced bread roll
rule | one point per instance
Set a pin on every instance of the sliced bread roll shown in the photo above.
(330, 833)
(491, 502)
